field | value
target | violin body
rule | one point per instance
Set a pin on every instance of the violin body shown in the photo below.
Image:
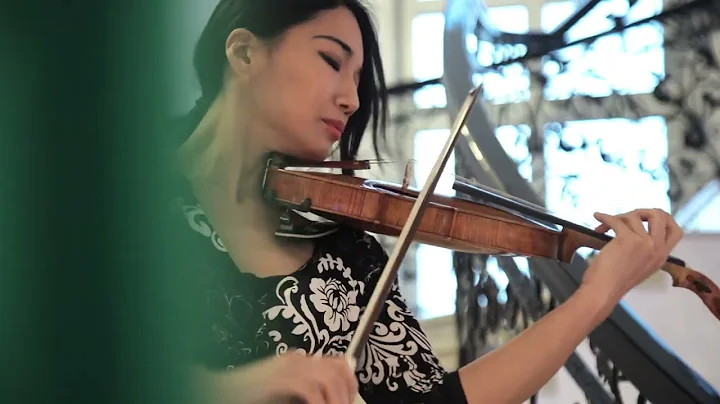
(383, 208)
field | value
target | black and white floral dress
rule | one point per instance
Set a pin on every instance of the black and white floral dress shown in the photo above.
(316, 310)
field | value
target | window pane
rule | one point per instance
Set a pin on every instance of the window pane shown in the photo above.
(608, 165)
(509, 83)
(515, 141)
(637, 55)
(555, 13)
(426, 46)
(435, 279)
(436, 284)
(426, 149)
(513, 19)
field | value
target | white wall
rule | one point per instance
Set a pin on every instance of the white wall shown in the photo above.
(676, 316)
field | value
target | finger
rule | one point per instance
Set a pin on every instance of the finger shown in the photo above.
(675, 232)
(602, 228)
(634, 220)
(326, 372)
(658, 227)
(614, 223)
(292, 355)
(307, 391)
(305, 379)
(348, 368)
(643, 214)
(334, 388)
(344, 377)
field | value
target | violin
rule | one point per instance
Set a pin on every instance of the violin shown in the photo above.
(451, 222)
(497, 225)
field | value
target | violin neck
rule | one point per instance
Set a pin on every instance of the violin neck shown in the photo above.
(576, 236)
(574, 239)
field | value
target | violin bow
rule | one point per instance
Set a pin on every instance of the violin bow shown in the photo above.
(389, 273)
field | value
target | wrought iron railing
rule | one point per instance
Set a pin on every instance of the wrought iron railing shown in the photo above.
(625, 350)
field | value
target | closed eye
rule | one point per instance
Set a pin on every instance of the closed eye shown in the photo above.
(330, 61)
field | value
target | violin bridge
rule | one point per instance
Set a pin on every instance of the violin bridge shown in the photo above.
(408, 174)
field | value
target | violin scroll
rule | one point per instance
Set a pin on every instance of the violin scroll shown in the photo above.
(701, 285)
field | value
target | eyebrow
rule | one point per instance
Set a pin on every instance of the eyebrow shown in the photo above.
(338, 41)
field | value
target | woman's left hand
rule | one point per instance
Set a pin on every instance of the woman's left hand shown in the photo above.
(634, 254)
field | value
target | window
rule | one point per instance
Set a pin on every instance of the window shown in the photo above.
(427, 147)
(609, 165)
(435, 282)
(427, 31)
(584, 161)
(637, 55)
(515, 141)
(426, 35)
(435, 279)
(510, 83)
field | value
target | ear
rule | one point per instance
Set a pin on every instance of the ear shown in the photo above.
(239, 48)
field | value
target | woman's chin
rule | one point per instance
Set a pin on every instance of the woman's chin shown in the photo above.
(311, 154)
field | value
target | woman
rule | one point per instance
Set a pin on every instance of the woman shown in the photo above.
(295, 78)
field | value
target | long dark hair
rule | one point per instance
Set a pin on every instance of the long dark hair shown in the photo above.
(268, 20)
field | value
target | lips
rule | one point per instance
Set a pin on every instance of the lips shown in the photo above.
(336, 127)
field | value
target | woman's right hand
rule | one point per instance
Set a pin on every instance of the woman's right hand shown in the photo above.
(297, 378)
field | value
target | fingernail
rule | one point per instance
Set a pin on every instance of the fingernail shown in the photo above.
(352, 362)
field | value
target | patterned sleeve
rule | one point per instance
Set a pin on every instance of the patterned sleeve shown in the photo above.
(398, 364)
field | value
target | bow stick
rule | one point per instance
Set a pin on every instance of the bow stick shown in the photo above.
(377, 299)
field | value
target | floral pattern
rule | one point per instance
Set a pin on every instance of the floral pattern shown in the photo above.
(316, 311)
(336, 302)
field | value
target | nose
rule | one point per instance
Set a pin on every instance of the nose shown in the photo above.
(348, 99)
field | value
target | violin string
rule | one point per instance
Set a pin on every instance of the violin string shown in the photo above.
(380, 161)
(528, 204)
(409, 163)
(476, 184)
(468, 181)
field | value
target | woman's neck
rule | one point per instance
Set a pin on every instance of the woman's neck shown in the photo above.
(224, 164)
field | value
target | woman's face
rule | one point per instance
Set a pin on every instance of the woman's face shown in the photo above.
(305, 88)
